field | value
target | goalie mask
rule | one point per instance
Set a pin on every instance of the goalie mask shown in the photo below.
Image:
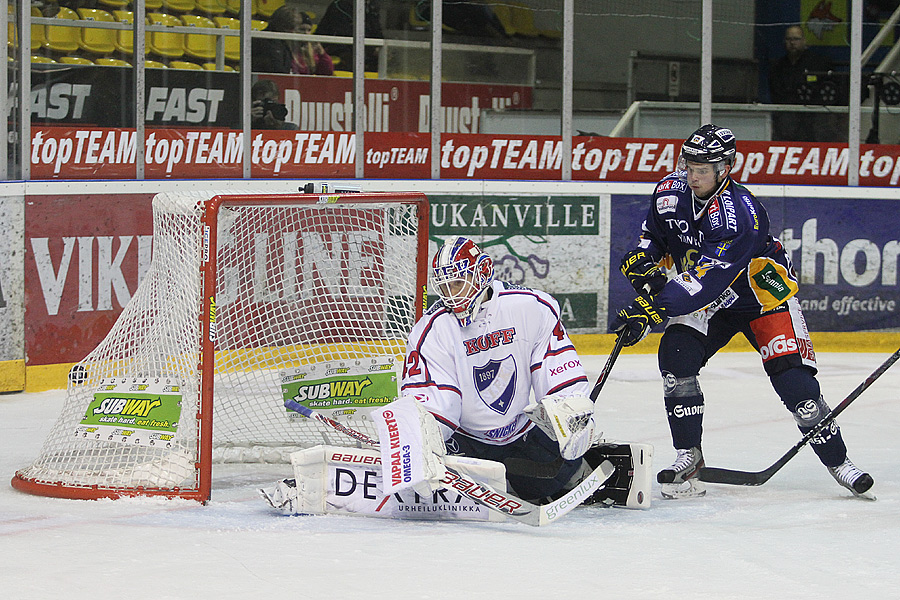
(461, 274)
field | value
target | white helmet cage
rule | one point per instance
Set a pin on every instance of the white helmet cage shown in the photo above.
(461, 274)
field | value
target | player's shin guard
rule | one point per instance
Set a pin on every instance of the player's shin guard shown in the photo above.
(684, 409)
(829, 444)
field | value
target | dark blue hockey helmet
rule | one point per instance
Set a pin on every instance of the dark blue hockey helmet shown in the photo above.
(710, 144)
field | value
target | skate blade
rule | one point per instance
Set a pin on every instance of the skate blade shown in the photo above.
(865, 495)
(692, 488)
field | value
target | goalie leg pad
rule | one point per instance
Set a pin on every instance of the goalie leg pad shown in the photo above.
(629, 486)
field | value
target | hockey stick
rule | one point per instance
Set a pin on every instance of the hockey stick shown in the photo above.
(511, 506)
(730, 477)
(604, 374)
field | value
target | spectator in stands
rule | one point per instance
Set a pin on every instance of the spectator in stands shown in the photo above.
(284, 56)
(265, 110)
(798, 69)
(338, 20)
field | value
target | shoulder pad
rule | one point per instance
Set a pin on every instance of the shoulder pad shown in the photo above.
(671, 184)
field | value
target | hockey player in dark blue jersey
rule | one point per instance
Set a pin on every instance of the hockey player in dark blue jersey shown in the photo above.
(730, 276)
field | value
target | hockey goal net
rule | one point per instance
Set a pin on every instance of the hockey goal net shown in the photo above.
(246, 295)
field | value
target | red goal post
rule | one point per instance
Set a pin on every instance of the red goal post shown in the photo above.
(245, 293)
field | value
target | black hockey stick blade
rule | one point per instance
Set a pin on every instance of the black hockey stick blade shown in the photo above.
(604, 374)
(733, 477)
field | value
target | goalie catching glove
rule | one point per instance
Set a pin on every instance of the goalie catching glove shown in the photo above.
(642, 271)
(567, 419)
(633, 322)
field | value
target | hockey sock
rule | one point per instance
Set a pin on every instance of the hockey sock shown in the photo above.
(684, 409)
(799, 391)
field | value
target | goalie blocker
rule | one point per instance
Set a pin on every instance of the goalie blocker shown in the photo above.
(338, 480)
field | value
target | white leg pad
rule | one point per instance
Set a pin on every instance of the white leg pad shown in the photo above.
(338, 480)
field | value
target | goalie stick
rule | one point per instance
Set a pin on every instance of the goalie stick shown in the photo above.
(732, 477)
(511, 506)
(604, 374)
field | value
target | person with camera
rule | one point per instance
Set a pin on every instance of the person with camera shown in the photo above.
(265, 110)
(284, 56)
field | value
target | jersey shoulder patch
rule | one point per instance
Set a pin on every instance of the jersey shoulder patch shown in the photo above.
(515, 286)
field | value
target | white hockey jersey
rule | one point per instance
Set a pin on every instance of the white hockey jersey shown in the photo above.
(478, 379)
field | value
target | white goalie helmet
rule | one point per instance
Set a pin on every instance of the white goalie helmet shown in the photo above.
(461, 274)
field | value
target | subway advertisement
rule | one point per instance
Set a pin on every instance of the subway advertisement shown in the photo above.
(85, 254)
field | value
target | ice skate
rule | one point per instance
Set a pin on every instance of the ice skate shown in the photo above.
(851, 477)
(680, 480)
(284, 497)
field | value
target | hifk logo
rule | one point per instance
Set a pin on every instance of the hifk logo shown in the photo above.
(496, 383)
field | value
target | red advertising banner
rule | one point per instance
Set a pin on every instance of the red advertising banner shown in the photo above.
(86, 254)
(72, 152)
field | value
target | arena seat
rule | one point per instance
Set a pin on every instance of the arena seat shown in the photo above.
(162, 43)
(125, 37)
(112, 62)
(185, 65)
(232, 44)
(61, 38)
(234, 7)
(154, 64)
(199, 45)
(115, 4)
(212, 67)
(75, 60)
(98, 41)
(182, 6)
(212, 7)
(267, 7)
(42, 60)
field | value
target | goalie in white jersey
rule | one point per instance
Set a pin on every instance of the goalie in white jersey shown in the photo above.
(476, 356)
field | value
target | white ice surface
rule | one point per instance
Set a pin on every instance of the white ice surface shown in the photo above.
(798, 536)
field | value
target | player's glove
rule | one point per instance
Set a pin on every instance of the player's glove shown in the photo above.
(642, 271)
(634, 321)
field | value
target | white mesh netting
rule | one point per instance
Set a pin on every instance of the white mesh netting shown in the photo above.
(296, 284)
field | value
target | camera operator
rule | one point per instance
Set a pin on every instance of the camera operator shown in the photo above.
(265, 110)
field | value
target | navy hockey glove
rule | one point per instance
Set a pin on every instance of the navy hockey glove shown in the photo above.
(642, 271)
(634, 321)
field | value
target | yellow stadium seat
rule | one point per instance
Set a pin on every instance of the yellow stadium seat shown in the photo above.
(162, 43)
(12, 38)
(99, 41)
(154, 64)
(199, 45)
(258, 25)
(179, 5)
(232, 43)
(75, 60)
(212, 7)
(125, 37)
(267, 7)
(366, 74)
(152, 5)
(212, 67)
(112, 62)
(183, 64)
(113, 4)
(234, 7)
(38, 32)
(60, 38)
(42, 60)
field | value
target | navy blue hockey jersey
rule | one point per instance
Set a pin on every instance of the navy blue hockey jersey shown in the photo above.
(724, 257)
